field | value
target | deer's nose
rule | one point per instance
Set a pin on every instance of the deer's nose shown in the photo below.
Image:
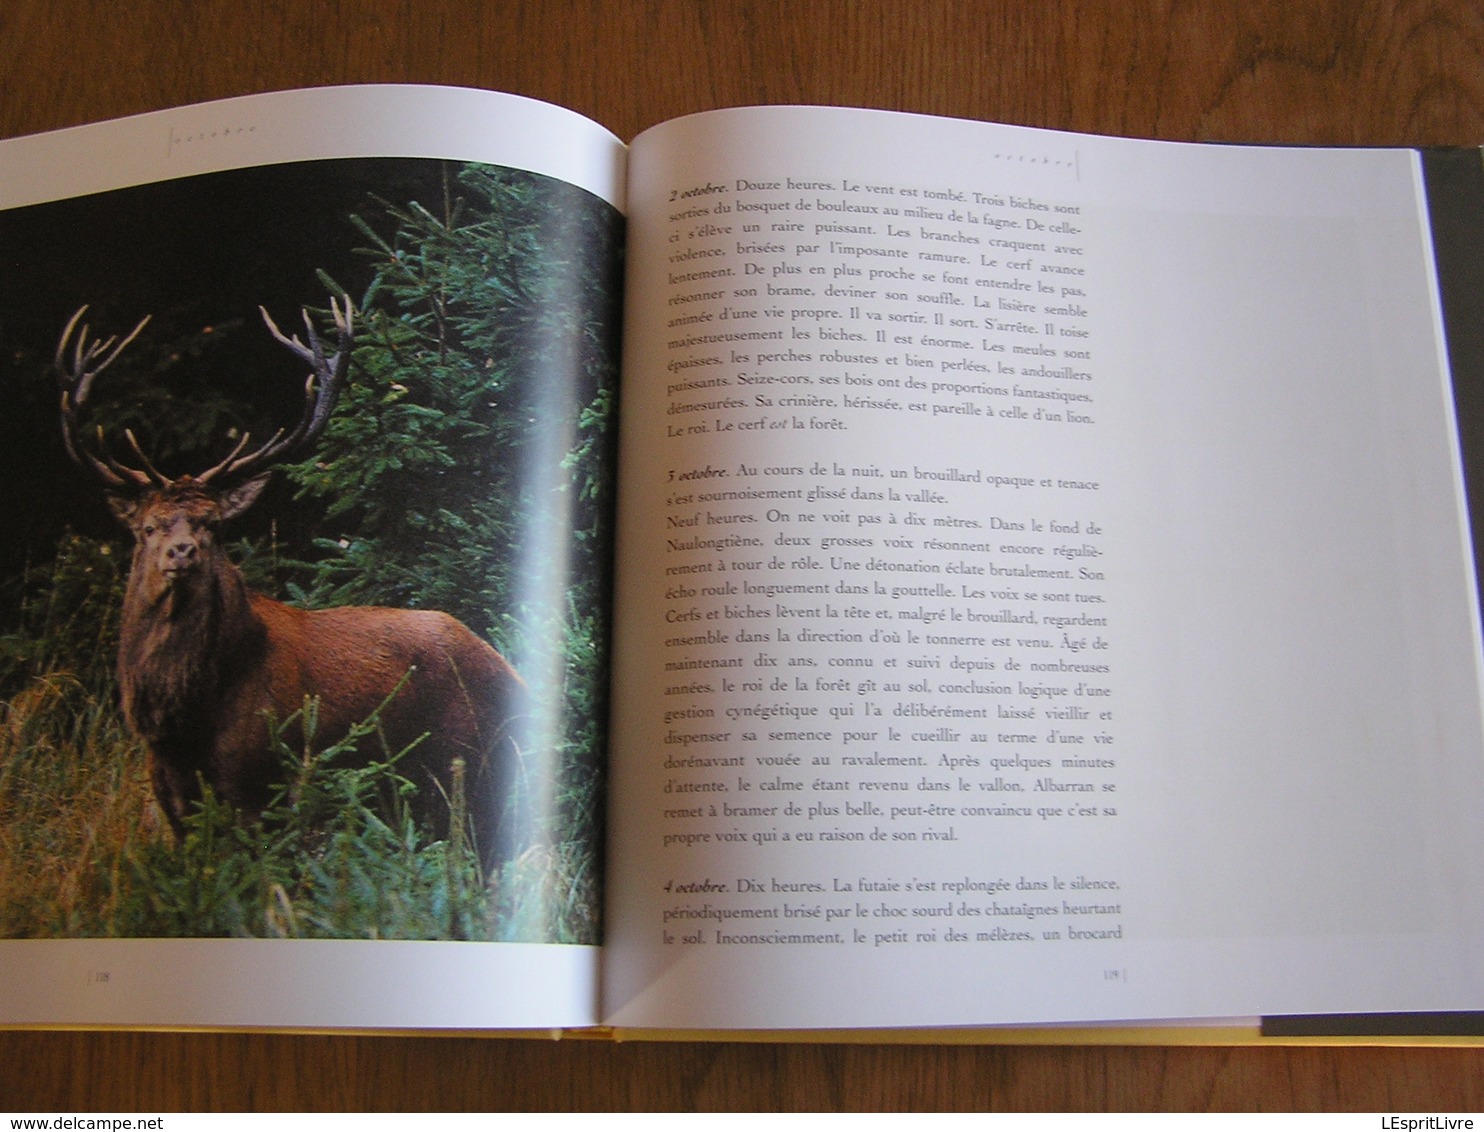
(182, 551)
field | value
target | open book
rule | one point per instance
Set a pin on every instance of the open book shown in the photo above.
(1011, 578)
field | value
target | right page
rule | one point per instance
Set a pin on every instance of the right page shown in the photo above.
(1044, 591)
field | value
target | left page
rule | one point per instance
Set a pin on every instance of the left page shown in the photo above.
(303, 596)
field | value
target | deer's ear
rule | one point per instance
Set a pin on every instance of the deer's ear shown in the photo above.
(124, 507)
(238, 499)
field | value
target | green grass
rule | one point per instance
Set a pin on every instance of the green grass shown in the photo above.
(338, 854)
(84, 851)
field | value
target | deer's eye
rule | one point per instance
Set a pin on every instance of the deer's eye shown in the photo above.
(149, 529)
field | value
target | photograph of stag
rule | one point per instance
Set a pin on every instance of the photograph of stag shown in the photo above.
(304, 609)
(207, 668)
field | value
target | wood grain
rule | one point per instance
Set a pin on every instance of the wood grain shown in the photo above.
(123, 1072)
(1325, 71)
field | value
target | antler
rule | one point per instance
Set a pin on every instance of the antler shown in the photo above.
(89, 357)
(75, 376)
(321, 389)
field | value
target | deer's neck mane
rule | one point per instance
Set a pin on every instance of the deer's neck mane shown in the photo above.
(173, 644)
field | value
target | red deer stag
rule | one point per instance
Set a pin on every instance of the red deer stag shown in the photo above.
(205, 665)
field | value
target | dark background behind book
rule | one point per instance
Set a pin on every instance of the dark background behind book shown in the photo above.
(1327, 72)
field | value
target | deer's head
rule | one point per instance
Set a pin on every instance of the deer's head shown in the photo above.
(174, 521)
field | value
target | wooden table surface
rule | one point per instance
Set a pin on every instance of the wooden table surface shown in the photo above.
(1320, 71)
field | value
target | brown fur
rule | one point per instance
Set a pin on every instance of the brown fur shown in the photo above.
(205, 665)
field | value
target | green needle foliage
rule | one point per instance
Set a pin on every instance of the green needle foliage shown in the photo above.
(335, 855)
(470, 461)
(468, 467)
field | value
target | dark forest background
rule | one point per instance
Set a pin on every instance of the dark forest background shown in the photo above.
(467, 467)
